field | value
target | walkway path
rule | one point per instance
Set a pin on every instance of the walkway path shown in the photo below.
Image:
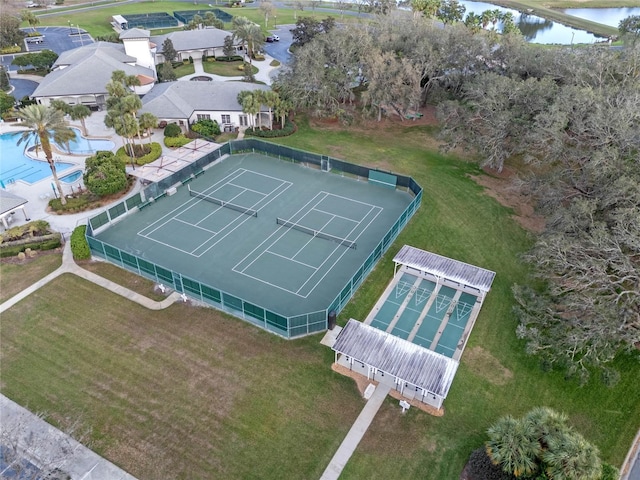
(69, 266)
(358, 429)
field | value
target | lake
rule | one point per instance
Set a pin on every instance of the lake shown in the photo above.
(536, 29)
(606, 16)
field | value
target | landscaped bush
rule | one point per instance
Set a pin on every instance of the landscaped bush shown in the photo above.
(480, 467)
(206, 128)
(172, 130)
(79, 245)
(35, 235)
(232, 58)
(13, 49)
(105, 174)
(154, 154)
(289, 129)
(175, 142)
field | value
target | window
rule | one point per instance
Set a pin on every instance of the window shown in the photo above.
(244, 121)
(204, 116)
(226, 118)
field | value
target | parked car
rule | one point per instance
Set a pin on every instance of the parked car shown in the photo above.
(273, 38)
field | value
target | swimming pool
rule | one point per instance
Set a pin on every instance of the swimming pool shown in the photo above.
(15, 165)
(72, 177)
(86, 145)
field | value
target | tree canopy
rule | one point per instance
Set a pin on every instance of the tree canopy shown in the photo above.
(570, 116)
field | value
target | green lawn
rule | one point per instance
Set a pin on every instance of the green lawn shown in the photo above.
(192, 393)
(226, 69)
(184, 69)
(15, 277)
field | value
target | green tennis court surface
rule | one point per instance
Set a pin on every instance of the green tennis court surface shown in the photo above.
(416, 309)
(278, 235)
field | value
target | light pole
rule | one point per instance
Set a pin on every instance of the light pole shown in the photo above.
(70, 31)
(275, 21)
(80, 35)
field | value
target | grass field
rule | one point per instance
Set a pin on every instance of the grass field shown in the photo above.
(16, 277)
(226, 69)
(192, 393)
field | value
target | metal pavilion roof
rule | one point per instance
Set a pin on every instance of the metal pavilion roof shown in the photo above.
(449, 268)
(407, 361)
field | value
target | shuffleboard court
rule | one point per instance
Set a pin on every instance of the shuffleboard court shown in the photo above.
(278, 234)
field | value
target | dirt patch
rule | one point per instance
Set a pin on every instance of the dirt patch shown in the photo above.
(502, 187)
(485, 365)
(362, 383)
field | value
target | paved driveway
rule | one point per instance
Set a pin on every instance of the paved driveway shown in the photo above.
(280, 50)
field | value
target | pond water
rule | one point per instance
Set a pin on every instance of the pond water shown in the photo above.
(606, 16)
(536, 29)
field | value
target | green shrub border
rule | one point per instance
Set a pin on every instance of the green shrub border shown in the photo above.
(79, 244)
(174, 142)
(289, 129)
(154, 154)
(45, 242)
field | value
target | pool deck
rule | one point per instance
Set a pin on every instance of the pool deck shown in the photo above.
(39, 193)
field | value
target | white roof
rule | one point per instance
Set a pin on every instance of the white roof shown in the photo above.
(407, 361)
(448, 268)
(9, 201)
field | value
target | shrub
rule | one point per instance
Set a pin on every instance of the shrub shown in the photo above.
(206, 128)
(172, 130)
(105, 174)
(480, 467)
(289, 129)
(175, 142)
(45, 242)
(232, 58)
(609, 472)
(190, 59)
(33, 229)
(12, 49)
(79, 244)
(154, 154)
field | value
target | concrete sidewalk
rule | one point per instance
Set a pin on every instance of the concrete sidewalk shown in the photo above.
(35, 441)
(358, 429)
(69, 266)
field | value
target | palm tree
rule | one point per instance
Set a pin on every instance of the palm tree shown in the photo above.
(513, 445)
(571, 457)
(249, 33)
(270, 100)
(30, 18)
(43, 123)
(80, 112)
(147, 122)
(250, 105)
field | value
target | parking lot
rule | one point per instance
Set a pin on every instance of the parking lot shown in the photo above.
(57, 39)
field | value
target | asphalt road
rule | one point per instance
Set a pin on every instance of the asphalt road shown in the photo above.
(280, 50)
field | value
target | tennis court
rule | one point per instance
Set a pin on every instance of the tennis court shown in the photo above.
(418, 309)
(261, 232)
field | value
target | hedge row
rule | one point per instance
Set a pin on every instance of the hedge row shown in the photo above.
(14, 49)
(45, 242)
(79, 244)
(289, 129)
(175, 142)
(154, 154)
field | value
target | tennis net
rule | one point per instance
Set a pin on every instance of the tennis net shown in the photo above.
(316, 233)
(222, 203)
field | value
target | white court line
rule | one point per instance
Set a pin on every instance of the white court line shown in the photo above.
(247, 219)
(287, 258)
(346, 249)
(288, 185)
(265, 241)
(196, 226)
(335, 215)
(306, 244)
(323, 196)
(173, 214)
